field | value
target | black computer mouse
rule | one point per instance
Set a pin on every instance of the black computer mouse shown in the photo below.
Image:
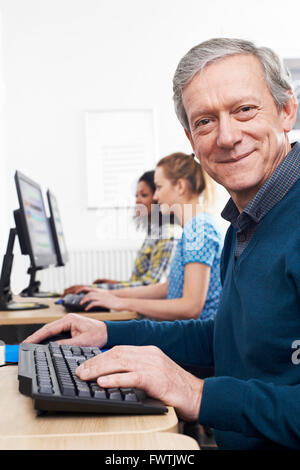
(71, 302)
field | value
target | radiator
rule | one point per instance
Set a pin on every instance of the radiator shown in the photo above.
(84, 267)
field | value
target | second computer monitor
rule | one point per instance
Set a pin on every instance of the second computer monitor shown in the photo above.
(57, 230)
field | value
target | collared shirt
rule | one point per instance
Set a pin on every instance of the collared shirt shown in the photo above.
(272, 191)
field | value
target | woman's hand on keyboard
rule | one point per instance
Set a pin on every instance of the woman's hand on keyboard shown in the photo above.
(102, 298)
(75, 289)
(83, 331)
(149, 369)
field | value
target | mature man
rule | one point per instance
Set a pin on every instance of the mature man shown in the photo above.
(236, 104)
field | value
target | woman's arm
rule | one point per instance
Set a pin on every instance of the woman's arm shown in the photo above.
(155, 291)
(190, 305)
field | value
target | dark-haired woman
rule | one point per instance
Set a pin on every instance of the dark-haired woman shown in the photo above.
(152, 262)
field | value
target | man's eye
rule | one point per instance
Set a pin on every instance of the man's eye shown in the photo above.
(202, 122)
(249, 110)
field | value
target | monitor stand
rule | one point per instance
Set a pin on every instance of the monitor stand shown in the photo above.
(12, 306)
(6, 302)
(33, 288)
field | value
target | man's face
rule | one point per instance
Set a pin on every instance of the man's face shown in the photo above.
(236, 130)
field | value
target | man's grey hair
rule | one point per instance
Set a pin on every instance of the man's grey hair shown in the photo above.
(277, 76)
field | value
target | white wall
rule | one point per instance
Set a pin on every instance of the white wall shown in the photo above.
(3, 184)
(62, 57)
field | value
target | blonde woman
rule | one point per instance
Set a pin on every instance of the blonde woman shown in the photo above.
(193, 287)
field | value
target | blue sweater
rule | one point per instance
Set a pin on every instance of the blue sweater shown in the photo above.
(253, 401)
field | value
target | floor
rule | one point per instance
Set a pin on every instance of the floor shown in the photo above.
(204, 436)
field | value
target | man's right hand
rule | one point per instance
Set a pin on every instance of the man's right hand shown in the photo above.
(84, 331)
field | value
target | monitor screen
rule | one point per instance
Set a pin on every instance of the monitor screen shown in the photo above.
(34, 231)
(57, 230)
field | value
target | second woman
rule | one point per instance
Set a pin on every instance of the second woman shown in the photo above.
(193, 287)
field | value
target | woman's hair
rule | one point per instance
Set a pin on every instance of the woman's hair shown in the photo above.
(148, 178)
(278, 77)
(156, 216)
(181, 165)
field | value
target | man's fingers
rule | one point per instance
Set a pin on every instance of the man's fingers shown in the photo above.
(79, 340)
(107, 363)
(51, 329)
(96, 369)
(123, 380)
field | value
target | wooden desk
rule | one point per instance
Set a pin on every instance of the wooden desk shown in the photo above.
(20, 421)
(54, 312)
(134, 441)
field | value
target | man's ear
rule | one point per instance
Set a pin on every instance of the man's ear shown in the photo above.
(187, 133)
(289, 113)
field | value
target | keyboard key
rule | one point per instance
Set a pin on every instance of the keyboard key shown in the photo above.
(82, 392)
(76, 351)
(114, 394)
(68, 390)
(96, 351)
(98, 392)
(130, 397)
(45, 389)
(87, 350)
(129, 394)
(67, 353)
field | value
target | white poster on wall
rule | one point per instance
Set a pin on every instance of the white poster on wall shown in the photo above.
(120, 146)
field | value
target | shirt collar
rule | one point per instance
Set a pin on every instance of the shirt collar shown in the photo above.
(272, 191)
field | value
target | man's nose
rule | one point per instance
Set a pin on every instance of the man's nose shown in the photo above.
(229, 132)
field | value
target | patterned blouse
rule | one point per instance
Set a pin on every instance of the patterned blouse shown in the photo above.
(201, 242)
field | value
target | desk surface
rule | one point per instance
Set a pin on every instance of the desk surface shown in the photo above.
(19, 419)
(136, 441)
(54, 312)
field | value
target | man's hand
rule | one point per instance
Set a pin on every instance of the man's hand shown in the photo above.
(84, 331)
(149, 369)
(75, 289)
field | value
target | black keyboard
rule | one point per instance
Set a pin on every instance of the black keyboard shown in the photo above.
(47, 374)
(71, 302)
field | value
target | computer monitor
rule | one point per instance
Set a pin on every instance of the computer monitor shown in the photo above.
(6, 298)
(62, 254)
(33, 230)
